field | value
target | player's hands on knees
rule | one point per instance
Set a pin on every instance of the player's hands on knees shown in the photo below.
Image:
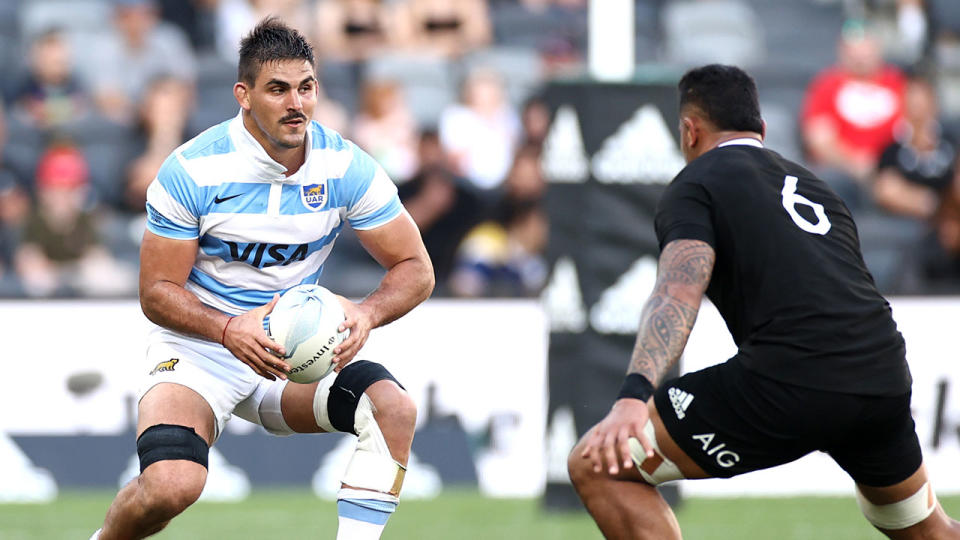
(359, 321)
(608, 443)
(245, 338)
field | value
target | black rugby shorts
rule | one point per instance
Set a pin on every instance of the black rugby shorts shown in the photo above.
(730, 421)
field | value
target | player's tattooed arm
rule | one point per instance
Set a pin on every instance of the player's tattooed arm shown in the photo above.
(668, 315)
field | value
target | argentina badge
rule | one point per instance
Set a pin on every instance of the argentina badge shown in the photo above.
(314, 196)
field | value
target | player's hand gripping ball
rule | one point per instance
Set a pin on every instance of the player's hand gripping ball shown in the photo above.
(305, 322)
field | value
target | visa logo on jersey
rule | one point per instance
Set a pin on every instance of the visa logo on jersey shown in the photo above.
(263, 255)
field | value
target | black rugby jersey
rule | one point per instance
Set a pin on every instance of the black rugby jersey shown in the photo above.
(789, 279)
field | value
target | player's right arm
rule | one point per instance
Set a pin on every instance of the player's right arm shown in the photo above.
(167, 255)
(665, 325)
(669, 313)
(685, 230)
(165, 264)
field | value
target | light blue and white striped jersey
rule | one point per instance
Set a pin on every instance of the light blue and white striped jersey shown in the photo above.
(260, 232)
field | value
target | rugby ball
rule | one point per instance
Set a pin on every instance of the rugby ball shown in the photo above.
(305, 322)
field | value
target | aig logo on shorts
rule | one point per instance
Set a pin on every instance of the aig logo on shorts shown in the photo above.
(167, 365)
(725, 458)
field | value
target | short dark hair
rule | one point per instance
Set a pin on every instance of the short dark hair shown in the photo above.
(269, 41)
(725, 94)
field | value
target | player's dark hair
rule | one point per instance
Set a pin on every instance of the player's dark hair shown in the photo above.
(269, 41)
(725, 94)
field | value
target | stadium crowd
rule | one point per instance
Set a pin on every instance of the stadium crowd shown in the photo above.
(444, 95)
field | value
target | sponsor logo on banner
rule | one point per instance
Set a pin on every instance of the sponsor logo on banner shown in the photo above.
(314, 196)
(563, 300)
(564, 157)
(618, 309)
(642, 151)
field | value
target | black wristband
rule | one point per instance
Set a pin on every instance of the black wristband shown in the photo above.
(636, 386)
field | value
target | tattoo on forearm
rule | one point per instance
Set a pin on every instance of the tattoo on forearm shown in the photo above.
(671, 310)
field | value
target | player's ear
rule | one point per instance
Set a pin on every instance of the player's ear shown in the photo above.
(689, 132)
(763, 131)
(242, 94)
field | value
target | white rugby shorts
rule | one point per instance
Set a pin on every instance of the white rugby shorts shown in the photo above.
(228, 385)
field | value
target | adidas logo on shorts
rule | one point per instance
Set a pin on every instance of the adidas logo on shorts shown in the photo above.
(680, 400)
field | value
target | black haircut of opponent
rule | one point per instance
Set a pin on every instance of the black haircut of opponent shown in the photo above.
(269, 41)
(725, 94)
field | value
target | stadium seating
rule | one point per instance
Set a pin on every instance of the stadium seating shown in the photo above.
(725, 31)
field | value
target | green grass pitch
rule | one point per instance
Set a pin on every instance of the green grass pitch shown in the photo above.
(460, 515)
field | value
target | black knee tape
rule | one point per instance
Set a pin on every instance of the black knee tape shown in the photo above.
(350, 384)
(166, 441)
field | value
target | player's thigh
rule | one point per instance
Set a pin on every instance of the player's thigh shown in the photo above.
(171, 403)
(332, 401)
(879, 446)
(297, 405)
(670, 450)
(725, 420)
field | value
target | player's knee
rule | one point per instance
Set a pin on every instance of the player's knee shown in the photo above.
(164, 498)
(394, 409)
(173, 469)
(579, 469)
(384, 429)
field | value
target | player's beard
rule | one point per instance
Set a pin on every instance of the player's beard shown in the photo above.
(293, 140)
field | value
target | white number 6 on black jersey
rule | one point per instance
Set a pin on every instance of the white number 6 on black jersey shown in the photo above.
(791, 199)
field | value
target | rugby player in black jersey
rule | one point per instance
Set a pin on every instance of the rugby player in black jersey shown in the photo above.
(820, 362)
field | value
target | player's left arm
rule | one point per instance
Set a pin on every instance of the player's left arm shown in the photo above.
(665, 324)
(409, 280)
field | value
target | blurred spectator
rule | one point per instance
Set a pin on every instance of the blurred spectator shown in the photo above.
(14, 206)
(902, 26)
(354, 30)
(504, 257)
(138, 50)
(913, 31)
(51, 95)
(850, 112)
(448, 29)
(482, 132)
(941, 253)
(915, 169)
(162, 125)
(60, 252)
(535, 120)
(442, 206)
(235, 18)
(331, 113)
(525, 180)
(385, 128)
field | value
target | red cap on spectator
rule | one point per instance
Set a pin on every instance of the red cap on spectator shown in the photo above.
(62, 167)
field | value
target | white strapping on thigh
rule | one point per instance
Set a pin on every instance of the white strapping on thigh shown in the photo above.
(320, 412)
(263, 407)
(901, 514)
(657, 469)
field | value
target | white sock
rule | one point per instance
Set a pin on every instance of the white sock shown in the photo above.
(96, 535)
(362, 519)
